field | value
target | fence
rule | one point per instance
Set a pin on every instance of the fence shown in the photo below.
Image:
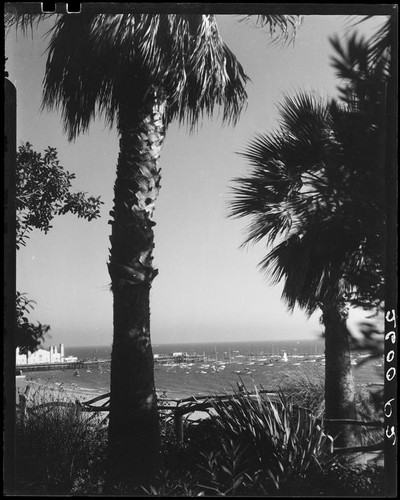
(178, 409)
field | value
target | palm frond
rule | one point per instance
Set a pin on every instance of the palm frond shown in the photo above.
(204, 74)
(98, 63)
(282, 28)
(363, 74)
(381, 41)
(25, 22)
(315, 192)
(287, 176)
(311, 264)
(76, 80)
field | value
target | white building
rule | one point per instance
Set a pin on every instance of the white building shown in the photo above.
(43, 356)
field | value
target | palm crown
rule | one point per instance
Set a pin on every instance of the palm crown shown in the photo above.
(96, 63)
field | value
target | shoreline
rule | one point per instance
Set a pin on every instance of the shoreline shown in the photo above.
(52, 390)
(39, 388)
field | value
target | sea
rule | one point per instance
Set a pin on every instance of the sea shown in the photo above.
(253, 347)
(223, 366)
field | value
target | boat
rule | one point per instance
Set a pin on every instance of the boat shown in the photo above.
(284, 357)
(76, 373)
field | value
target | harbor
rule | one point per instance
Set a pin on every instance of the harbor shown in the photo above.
(216, 361)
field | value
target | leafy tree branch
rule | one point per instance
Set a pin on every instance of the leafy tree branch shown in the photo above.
(43, 190)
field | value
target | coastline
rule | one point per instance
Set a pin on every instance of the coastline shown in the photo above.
(35, 387)
(56, 391)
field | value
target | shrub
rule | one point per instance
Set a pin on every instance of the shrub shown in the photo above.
(367, 410)
(58, 450)
(306, 389)
(261, 444)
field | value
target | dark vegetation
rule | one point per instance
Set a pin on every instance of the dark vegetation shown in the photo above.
(252, 446)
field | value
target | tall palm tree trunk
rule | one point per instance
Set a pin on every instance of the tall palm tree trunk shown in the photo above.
(339, 382)
(134, 440)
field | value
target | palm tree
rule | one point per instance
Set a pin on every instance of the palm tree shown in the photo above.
(316, 196)
(140, 72)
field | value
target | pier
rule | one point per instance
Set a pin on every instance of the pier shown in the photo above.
(76, 365)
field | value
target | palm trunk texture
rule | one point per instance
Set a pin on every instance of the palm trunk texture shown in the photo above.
(134, 439)
(339, 382)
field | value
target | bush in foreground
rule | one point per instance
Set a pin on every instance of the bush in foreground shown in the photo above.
(263, 445)
(253, 446)
(58, 449)
(250, 446)
(307, 388)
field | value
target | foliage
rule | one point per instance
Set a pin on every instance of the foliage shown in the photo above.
(58, 451)
(43, 190)
(167, 485)
(221, 454)
(368, 410)
(214, 460)
(316, 191)
(306, 390)
(344, 478)
(181, 57)
(262, 444)
(282, 28)
(28, 336)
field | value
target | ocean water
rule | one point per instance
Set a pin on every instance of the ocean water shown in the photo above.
(220, 349)
(214, 376)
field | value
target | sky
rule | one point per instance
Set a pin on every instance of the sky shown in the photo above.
(208, 288)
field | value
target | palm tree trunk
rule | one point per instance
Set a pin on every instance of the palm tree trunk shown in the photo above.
(134, 440)
(339, 382)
